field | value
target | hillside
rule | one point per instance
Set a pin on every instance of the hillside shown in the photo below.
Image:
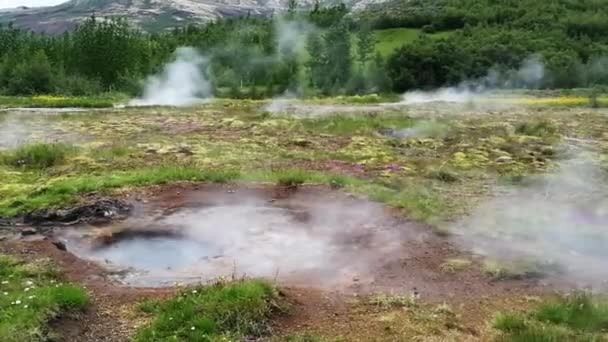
(151, 15)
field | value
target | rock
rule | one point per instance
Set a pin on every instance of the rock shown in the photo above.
(503, 160)
(28, 232)
(60, 245)
(102, 210)
(185, 149)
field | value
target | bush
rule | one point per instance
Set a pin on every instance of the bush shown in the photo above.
(38, 156)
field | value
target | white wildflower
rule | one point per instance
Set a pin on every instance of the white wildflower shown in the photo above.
(193, 328)
(17, 302)
(25, 306)
(26, 289)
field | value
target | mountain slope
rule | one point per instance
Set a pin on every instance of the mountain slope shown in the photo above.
(151, 15)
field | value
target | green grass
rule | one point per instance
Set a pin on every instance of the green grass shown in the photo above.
(31, 296)
(578, 317)
(66, 190)
(540, 128)
(37, 156)
(391, 39)
(209, 313)
(102, 101)
(361, 124)
(518, 268)
(577, 311)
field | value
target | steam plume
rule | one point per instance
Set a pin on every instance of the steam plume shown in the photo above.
(529, 75)
(561, 219)
(181, 83)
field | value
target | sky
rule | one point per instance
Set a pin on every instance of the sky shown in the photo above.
(29, 3)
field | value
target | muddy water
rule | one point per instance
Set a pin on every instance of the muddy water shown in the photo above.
(305, 239)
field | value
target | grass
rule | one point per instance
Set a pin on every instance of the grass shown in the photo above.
(102, 101)
(455, 265)
(222, 311)
(387, 301)
(38, 155)
(361, 124)
(31, 296)
(578, 317)
(391, 39)
(540, 128)
(518, 268)
(64, 191)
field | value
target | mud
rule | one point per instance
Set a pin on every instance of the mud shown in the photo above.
(307, 237)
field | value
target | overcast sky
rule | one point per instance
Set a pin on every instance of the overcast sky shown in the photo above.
(29, 3)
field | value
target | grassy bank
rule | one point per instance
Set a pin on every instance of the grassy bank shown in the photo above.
(50, 101)
(578, 317)
(30, 296)
(219, 312)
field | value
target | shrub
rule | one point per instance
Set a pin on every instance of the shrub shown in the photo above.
(38, 156)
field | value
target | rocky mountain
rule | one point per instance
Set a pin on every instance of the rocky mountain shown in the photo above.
(151, 15)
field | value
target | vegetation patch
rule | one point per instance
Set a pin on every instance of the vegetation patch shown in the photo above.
(47, 101)
(30, 296)
(518, 268)
(455, 265)
(577, 317)
(221, 311)
(38, 156)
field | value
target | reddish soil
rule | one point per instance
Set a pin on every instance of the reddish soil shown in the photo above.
(414, 269)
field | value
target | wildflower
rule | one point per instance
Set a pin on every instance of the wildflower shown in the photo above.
(6, 293)
(4, 282)
(194, 291)
(31, 297)
(170, 318)
(26, 289)
(25, 306)
(193, 328)
(29, 283)
(17, 302)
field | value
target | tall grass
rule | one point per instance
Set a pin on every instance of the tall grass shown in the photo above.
(579, 317)
(208, 313)
(38, 156)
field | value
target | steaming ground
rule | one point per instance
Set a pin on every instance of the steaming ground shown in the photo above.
(315, 240)
(558, 220)
(181, 83)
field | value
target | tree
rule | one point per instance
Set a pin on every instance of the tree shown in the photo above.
(33, 76)
(317, 61)
(366, 43)
(338, 58)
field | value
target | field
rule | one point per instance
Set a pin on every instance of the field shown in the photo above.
(391, 39)
(338, 219)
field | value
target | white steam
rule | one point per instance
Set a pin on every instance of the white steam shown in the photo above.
(290, 42)
(561, 218)
(181, 83)
(529, 75)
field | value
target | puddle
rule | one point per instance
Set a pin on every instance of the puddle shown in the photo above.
(306, 239)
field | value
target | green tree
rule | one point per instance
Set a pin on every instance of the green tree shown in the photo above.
(338, 64)
(366, 43)
(33, 76)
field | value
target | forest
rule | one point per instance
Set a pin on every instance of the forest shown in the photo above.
(323, 51)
